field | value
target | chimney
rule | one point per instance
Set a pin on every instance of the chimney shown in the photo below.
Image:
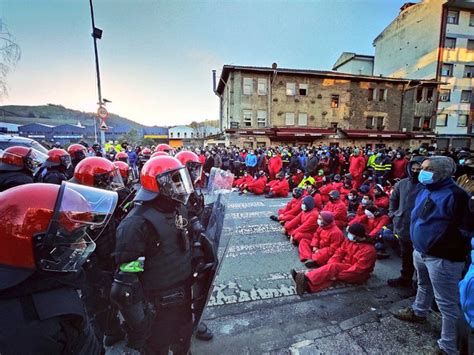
(214, 88)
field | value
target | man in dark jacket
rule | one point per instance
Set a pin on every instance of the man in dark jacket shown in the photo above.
(312, 164)
(402, 202)
(439, 231)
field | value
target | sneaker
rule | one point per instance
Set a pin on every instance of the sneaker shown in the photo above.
(407, 314)
(310, 264)
(400, 283)
(274, 218)
(301, 283)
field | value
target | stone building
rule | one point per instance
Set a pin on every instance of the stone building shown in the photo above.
(434, 39)
(268, 106)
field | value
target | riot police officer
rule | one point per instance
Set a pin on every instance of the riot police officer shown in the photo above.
(77, 152)
(56, 167)
(153, 256)
(43, 244)
(17, 166)
(103, 174)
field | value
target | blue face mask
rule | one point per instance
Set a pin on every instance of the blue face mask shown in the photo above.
(425, 177)
(350, 237)
(461, 162)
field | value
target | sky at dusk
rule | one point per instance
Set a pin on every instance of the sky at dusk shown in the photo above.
(156, 56)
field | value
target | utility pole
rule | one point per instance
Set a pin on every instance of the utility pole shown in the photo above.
(97, 34)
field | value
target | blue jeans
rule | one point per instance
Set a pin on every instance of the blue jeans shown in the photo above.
(439, 278)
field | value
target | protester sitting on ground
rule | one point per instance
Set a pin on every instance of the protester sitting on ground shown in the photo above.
(306, 178)
(374, 219)
(352, 202)
(346, 187)
(311, 190)
(352, 262)
(244, 180)
(297, 178)
(280, 187)
(292, 208)
(338, 208)
(334, 184)
(304, 224)
(257, 185)
(380, 197)
(325, 241)
(319, 178)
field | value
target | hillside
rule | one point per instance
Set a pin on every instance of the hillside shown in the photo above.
(57, 114)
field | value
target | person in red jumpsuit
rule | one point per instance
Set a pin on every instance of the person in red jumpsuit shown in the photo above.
(327, 238)
(381, 198)
(303, 225)
(257, 185)
(356, 167)
(274, 165)
(352, 262)
(338, 207)
(279, 188)
(311, 190)
(293, 207)
(399, 165)
(336, 184)
(244, 180)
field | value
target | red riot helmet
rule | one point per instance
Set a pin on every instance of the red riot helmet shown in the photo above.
(163, 148)
(146, 152)
(98, 172)
(17, 158)
(59, 158)
(124, 170)
(77, 152)
(44, 227)
(121, 156)
(164, 176)
(159, 154)
(191, 161)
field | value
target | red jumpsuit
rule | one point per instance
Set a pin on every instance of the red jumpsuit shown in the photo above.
(290, 205)
(318, 200)
(297, 178)
(373, 226)
(270, 184)
(274, 166)
(325, 190)
(352, 262)
(303, 225)
(244, 180)
(382, 202)
(257, 186)
(281, 188)
(399, 168)
(356, 168)
(293, 212)
(339, 209)
(326, 240)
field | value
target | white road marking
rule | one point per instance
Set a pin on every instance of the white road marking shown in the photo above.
(271, 227)
(242, 205)
(245, 215)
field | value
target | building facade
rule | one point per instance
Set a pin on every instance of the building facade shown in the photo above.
(434, 39)
(267, 106)
(353, 63)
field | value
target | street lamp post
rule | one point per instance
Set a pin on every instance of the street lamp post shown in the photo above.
(97, 34)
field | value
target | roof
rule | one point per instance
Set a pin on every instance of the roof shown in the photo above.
(155, 130)
(227, 69)
(348, 56)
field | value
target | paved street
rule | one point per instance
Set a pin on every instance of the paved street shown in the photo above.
(254, 308)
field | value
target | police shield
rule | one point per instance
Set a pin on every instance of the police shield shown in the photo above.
(219, 188)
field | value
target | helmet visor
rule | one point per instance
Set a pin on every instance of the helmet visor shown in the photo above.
(34, 160)
(109, 181)
(195, 170)
(85, 205)
(176, 184)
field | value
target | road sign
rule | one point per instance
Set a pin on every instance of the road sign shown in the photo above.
(102, 113)
(103, 126)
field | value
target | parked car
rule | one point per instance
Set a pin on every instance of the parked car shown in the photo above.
(9, 141)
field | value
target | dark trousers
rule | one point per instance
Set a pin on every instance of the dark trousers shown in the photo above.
(408, 269)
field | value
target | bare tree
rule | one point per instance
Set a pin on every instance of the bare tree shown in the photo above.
(10, 54)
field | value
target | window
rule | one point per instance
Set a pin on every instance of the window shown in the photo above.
(462, 120)
(302, 119)
(416, 123)
(429, 94)
(334, 101)
(380, 125)
(303, 90)
(185, 135)
(334, 125)
(419, 94)
(470, 44)
(248, 86)
(290, 89)
(371, 93)
(447, 70)
(469, 71)
(450, 43)
(453, 17)
(471, 19)
(171, 134)
(192, 134)
(444, 95)
(178, 134)
(247, 114)
(261, 118)
(442, 120)
(466, 96)
(369, 122)
(383, 94)
(427, 124)
(290, 119)
(262, 86)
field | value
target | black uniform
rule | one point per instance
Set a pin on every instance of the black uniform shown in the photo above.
(44, 315)
(52, 176)
(154, 230)
(9, 179)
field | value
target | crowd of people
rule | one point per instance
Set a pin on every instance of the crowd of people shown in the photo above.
(348, 207)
